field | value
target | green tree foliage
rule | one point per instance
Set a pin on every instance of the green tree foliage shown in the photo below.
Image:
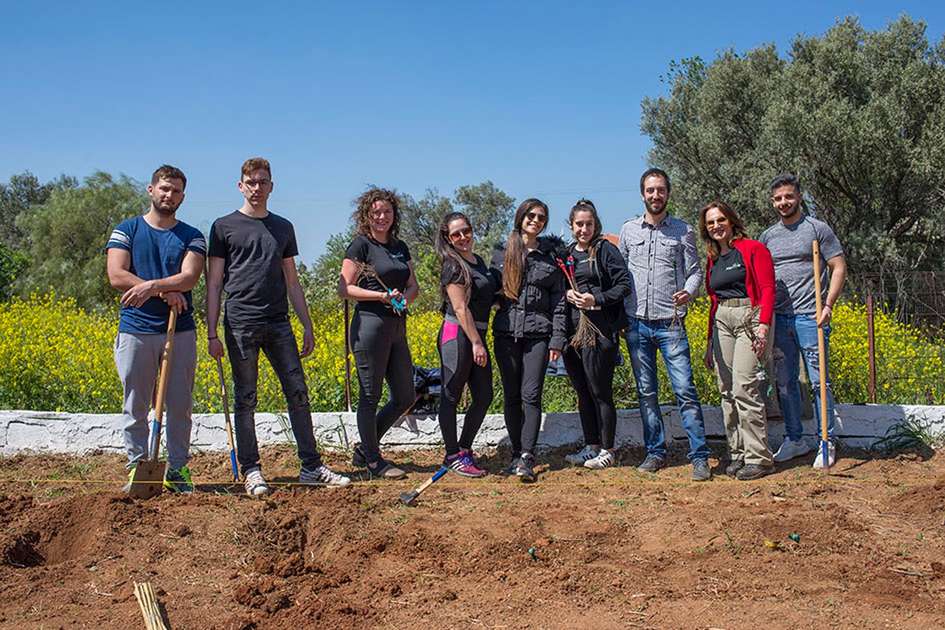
(859, 115)
(21, 193)
(489, 209)
(66, 235)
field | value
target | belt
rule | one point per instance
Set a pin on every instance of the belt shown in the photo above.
(735, 302)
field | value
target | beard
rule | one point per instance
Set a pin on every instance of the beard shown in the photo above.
(792, 211)
(652, 210)
(167, 211)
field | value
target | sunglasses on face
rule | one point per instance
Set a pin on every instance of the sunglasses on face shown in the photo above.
(535, 216)
(460, 233)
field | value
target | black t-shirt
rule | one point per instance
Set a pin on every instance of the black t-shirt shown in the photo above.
(584, 279)
(485, 284)
(389, 260)
(728, 276)
(253, 251)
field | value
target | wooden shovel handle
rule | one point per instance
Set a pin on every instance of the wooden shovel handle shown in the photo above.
(165, 367)
(821, 345)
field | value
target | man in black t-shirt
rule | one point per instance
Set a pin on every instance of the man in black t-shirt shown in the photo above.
(252, 258)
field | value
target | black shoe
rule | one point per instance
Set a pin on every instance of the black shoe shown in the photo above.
(753, 471)
(524, 469)
(732, 469)
(509, 470)
(651, 464)
(700, 470)
(357, 457)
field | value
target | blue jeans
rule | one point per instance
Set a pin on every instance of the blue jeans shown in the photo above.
(277, 342)
(796, 335)
(644, 338)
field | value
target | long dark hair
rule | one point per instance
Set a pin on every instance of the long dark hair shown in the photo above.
(515, 249)
(586, 205)
(447, 253)
(738, 228)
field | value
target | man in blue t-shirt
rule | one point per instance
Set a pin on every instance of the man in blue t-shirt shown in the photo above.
(155, 260)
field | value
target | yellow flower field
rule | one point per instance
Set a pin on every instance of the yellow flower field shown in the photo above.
(55, 356)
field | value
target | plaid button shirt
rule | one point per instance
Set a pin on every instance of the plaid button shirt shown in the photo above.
(662, 260)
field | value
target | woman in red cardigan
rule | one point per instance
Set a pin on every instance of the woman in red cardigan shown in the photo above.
(740, 281)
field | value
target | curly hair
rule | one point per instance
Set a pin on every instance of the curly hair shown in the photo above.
(364, 204)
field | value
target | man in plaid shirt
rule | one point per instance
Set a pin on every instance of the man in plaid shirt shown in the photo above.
(664, 276)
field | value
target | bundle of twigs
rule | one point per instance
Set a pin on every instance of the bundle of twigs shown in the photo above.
(399, 305)
(147, 601)
(585, 336)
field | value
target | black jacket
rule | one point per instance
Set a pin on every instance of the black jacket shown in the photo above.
(609, 285)
(540, 308)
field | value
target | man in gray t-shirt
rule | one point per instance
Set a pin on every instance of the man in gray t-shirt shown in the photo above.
(795, 330)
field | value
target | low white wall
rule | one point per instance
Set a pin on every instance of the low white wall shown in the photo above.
(82, 433)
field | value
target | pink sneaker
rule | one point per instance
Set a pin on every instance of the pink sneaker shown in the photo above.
(463, 463)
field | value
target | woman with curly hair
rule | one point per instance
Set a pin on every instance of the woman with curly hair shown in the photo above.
(469, 290)
(529, 327)
(377, 273)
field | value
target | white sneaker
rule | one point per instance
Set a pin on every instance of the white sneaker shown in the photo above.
(322, 476)
(791, 449)
(583, 455)
(255, 483)
(604, 459)
(831, 456)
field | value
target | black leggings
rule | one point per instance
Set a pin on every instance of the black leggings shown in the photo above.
(457, 369)
(591, 371)
(380, 351)
(522, 364)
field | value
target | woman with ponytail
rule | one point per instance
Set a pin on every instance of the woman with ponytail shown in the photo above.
(600, 282)
(529, 328)
(469, 289)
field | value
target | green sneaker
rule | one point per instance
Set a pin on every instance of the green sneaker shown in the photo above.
(179, 480)
(131, 476)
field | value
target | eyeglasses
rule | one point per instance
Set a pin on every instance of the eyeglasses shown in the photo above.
(460, 233)
(536, 216)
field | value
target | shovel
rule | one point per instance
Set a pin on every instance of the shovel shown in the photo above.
(229, 425)
(148, 480)
(824, 445)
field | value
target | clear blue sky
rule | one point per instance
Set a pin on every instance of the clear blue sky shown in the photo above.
(543, 98)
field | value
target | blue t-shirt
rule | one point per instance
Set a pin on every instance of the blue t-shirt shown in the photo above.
(155, 254)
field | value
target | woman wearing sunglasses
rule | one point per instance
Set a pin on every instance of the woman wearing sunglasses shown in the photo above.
(529, 328)
(740, 281)
(469, 290)
(601, 282)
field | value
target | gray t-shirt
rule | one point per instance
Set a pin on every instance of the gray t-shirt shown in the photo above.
(790, 247)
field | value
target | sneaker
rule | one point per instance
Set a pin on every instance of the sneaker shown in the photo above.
(385, 470)
(462, 463)
(578, 459)
(509, 470)
(732, 469)
(322, 476)
(179, 480)
(831, 456)
(790, 449)
(651, 464)
(255, 483)
(357, 457)
(753, 471)
(525, 468)
(131, 477)
(604, 459)
(700, 470)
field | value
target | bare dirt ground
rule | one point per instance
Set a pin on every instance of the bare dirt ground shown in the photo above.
(609, 549)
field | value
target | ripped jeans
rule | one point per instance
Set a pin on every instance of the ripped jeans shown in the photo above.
(795, 335)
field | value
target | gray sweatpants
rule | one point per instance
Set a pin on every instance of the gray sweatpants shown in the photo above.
(138, 359)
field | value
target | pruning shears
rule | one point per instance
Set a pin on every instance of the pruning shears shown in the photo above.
(398, 304)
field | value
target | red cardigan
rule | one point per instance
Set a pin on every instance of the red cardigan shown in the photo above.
(759, 279)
